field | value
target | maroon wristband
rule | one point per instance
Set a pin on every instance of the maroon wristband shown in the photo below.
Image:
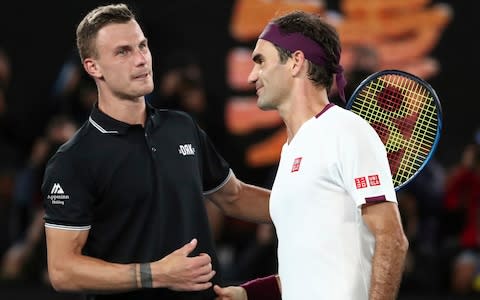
(265, 288)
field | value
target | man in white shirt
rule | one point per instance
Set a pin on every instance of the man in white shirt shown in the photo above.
(333, 202)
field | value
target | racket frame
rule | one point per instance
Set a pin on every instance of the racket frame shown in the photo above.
(436, 100)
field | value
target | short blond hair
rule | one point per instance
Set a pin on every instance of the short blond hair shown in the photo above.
(95, 20)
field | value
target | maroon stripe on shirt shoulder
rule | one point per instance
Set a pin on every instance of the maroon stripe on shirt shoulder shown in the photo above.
(325, 109)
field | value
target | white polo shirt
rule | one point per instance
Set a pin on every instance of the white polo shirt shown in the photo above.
(335, 163)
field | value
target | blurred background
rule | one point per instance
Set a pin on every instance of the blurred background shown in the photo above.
(201, 52)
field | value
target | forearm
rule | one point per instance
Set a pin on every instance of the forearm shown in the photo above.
(243, 201)
(253, 204)
(70, 270)
(83, 273)
(387, 267)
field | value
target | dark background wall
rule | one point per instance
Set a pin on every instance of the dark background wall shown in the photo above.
(39, 36)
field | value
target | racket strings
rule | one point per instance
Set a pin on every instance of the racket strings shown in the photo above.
(404, 114)
(420, 141)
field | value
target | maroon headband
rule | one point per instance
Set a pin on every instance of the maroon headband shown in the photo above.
(296, 41)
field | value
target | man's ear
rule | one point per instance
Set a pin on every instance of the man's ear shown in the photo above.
(299, 62)
(91, 67)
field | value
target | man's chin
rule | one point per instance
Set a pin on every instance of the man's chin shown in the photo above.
(265, 106)
(145, 91)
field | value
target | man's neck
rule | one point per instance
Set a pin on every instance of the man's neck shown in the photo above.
(302, 108)
(128, 111)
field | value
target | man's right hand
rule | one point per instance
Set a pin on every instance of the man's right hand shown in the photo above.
(230, 293)
(177, 271)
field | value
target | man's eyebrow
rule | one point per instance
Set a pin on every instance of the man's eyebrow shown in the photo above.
(122, 47)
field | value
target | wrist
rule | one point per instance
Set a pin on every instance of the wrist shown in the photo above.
(143, 275)
(265, 288)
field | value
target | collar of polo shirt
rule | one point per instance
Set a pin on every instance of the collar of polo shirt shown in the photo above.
(108, 125)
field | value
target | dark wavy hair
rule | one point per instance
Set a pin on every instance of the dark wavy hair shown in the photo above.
(314, 27)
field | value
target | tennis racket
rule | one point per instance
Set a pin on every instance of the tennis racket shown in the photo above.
(406, 113)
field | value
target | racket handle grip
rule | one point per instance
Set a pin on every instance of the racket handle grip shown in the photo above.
(265, 288)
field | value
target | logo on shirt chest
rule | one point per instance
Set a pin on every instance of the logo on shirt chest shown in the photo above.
(296, 164)
(186, 149)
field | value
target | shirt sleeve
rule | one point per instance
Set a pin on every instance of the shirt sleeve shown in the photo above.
(364, 165)
(67, 199)
(215, 170)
